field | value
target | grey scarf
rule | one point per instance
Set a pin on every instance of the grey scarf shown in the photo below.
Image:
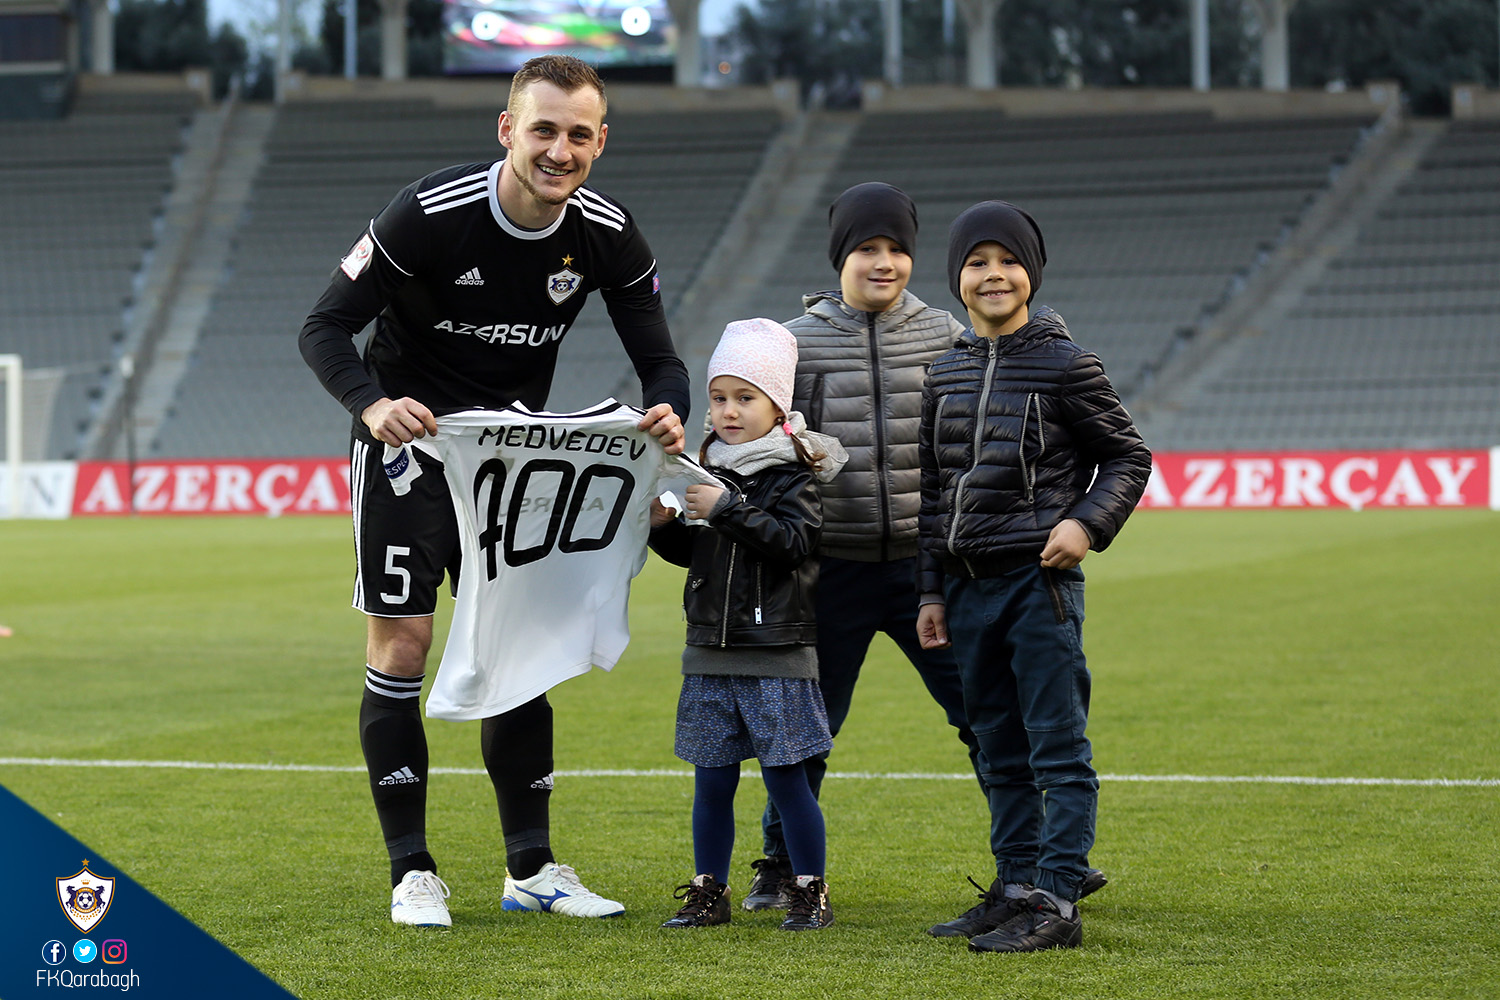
(776, 448)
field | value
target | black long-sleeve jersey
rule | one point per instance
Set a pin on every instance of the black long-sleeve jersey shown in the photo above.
(470, 308)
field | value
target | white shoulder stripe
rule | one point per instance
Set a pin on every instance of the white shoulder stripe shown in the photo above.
(479, 195)
(603, 220)
(632, 281)
(385, 252)
(449, 195)
(469, 179)
(599, 204)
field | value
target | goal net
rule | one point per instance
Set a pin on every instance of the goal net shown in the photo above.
(10, 423)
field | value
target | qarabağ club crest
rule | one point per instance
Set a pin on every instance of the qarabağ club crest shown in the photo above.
(562, 284)
(85, 897)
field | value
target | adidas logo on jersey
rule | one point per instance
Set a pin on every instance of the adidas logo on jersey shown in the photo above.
(543, 784)
(401, 777)
(471, 277)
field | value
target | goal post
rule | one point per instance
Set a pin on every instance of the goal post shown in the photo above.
(10, 379)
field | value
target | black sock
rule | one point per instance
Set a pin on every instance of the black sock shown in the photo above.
(395, 747)
(419, 862)
(517, 751)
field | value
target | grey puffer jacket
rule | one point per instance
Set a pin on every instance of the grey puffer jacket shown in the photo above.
(859, 378)
(1019, 433)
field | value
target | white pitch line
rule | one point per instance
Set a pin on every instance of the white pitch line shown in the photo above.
(1217, 779)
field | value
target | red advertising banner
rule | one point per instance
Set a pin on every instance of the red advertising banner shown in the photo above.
(271, 486)
(1354, 480)
(1183, 480)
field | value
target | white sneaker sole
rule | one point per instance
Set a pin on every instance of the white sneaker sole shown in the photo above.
(518, 901)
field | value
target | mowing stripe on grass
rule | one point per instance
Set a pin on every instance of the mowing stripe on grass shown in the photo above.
(1253, 779)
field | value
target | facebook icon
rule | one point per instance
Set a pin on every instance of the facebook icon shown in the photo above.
(53, 952)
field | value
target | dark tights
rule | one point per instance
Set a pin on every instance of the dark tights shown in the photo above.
(713, 818)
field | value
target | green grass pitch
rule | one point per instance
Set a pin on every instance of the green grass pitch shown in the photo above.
(1223, 644)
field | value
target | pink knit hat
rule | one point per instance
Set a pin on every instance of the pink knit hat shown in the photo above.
(763, 353)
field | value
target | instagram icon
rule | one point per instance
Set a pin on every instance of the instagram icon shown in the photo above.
(112, 951)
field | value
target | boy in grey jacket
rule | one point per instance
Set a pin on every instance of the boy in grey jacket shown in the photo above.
(863, 351)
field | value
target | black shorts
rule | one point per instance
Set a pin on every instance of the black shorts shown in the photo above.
(402, 544)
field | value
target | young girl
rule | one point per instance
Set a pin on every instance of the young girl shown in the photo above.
(750, 684)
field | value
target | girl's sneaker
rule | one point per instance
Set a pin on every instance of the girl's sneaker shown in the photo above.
(807, 904)
(705, 903)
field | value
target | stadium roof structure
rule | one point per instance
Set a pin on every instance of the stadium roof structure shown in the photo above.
(979, 17)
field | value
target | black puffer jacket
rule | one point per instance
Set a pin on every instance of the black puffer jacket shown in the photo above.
(1013, 430)
(751, 571)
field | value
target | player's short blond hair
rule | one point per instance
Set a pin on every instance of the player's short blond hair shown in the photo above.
(565, 72)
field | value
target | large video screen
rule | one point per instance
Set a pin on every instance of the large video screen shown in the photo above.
(497, 36)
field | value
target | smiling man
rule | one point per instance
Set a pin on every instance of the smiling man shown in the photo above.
(472, 276)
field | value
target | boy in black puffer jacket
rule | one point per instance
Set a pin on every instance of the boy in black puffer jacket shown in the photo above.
(1028, 461)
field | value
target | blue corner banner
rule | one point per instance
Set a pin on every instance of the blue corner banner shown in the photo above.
(74, 925)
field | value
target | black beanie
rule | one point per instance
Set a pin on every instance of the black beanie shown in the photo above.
(998, 222)
(868, 210)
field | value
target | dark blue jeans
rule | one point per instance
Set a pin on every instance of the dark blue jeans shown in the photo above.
(1019, 643)
(855, 601)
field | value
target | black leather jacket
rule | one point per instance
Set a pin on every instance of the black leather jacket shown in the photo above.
(751, 572)
(1018, 433)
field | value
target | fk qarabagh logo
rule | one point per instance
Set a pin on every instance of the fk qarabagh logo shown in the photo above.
(85, 897)
(563, 284)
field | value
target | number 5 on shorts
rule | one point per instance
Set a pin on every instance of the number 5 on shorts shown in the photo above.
(391, 569)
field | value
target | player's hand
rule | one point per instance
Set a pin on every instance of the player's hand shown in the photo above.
(701, 499)
(665, 425)
(660, 513)
(932, 626)
(1066, 545)
(399, 421)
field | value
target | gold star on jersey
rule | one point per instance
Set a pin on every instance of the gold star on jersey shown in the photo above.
(562, 284)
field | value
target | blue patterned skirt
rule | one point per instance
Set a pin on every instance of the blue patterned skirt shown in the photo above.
(722, 720)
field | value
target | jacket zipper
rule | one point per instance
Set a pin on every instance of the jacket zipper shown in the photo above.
(758, 600)
(978, 438)
(1028, 475)
(882, 494)
(728, 589)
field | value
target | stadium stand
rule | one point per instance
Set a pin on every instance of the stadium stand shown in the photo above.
(332, 165)
(1393, 344)
(1157, 223)
(79, 201)
(1151, 220)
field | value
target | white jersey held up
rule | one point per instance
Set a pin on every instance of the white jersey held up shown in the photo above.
(553, 512)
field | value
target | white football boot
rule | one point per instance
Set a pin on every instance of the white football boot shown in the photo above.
(418, 900)
(556, 889)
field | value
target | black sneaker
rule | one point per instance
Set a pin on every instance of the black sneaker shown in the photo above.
(705, 903)
(765, 887)
(992, 910)
(1037, 924)
(807, 904)
(1093, 881)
